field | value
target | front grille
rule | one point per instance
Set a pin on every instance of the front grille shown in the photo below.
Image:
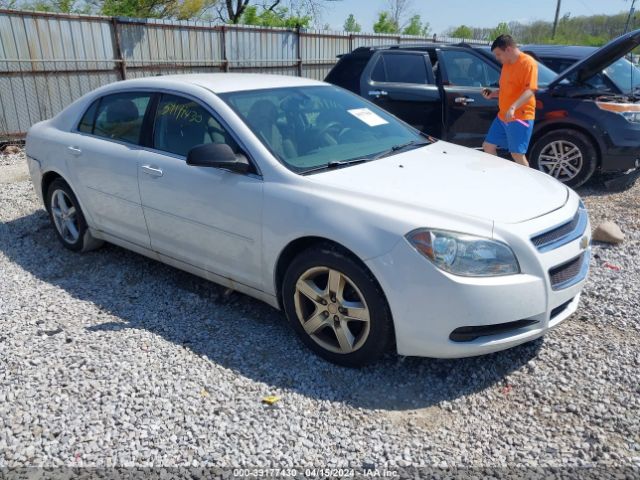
(557, 233)
(563, 234)
(569, 273)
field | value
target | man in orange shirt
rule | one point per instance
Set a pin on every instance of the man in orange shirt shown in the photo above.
(516, 98)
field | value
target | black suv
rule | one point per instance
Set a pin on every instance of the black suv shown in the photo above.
(437, 88)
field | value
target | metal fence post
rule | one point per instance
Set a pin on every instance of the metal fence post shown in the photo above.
(118, 48)
(299, 46)
(223, 46)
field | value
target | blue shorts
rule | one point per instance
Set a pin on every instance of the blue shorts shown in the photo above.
(513, 136)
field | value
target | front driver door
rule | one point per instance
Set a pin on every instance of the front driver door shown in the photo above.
(468, 115)
(204, 216)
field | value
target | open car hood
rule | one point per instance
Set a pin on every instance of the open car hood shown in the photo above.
(600, 59)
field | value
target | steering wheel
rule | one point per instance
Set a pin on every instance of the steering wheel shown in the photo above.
(330, 126)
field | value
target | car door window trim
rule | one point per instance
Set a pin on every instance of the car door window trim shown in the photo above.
(145, 125)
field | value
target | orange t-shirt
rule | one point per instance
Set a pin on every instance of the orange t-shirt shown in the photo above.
(514, 80)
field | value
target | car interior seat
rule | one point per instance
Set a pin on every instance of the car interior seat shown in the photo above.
(122, 121)
(263, 116)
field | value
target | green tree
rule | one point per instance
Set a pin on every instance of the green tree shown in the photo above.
(350, 24)
(462, 32)
(416, 27)
(385, 24)
(58, 6)
(277, 17)
(501, 29)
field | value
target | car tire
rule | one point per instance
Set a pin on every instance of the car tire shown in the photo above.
(566, 154)
(348, 323)
(67, 218)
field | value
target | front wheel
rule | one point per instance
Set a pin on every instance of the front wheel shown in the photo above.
(336, 307)
(565, 154)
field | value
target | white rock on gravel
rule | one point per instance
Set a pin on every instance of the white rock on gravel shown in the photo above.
(608, 232)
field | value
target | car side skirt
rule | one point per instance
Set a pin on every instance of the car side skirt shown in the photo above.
(200, 272)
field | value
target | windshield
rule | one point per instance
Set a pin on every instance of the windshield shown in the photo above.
(624, 74)
(545, 75)
(307, 128)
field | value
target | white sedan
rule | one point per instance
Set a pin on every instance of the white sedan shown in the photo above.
(367, 233)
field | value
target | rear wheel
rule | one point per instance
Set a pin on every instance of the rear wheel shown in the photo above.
(336, 307)
(565, 154)
(67, 218)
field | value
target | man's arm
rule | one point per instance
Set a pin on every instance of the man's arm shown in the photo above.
(489, 93)
(522, 99)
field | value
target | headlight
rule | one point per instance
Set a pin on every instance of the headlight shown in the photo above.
(630, 111)
(633, 117)
(465, 255)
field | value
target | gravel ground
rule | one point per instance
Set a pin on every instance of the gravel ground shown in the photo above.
(111, 359)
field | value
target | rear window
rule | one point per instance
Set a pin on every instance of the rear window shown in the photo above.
(347, 72)
(86, 124)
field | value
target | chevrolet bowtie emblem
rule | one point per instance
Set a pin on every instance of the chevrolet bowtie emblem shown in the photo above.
(584, 242)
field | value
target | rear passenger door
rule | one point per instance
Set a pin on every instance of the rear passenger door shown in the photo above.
(103, 156)
(468, 115)
(403, 83)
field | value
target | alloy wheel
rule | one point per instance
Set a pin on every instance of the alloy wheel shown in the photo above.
(65, 216)
(332, 310)
(561, 159)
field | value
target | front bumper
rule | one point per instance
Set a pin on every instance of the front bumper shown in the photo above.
(428, 305)
(621, 159)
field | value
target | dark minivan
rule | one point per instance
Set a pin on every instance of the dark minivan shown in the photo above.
(437, 88)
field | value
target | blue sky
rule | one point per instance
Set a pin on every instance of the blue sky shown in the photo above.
(442, 14)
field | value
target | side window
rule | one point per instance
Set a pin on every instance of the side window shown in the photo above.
(119, 116)
(181, 124)
(86, 123)
(465, 69)
(401, 68)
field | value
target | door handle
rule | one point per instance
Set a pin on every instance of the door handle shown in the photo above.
(377, 93)
(464, 100)
(74, 150)
(153, 171)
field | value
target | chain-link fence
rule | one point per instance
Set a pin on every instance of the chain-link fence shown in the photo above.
(48, 60)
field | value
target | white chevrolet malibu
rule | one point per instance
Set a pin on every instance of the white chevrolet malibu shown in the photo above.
(367, 233)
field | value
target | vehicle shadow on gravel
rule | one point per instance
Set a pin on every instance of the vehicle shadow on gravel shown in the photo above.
(236, 331)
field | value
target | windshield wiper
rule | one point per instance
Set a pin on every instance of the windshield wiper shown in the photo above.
(336, 164)
(344, 163)
(399, 147)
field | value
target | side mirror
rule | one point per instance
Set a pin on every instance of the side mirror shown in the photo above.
(217, 155)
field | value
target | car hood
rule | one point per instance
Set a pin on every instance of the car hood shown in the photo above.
(600, 59)
(448, 178)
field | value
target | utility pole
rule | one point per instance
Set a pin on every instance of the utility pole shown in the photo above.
(631, 12)
(555, 22)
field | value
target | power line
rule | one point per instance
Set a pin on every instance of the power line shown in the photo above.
(555, 22)
(631, 12)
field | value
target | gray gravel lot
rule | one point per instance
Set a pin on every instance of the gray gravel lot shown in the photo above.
(109, 358)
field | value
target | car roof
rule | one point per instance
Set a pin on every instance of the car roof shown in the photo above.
(560, 51)
(221, 82)
(404, 46)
